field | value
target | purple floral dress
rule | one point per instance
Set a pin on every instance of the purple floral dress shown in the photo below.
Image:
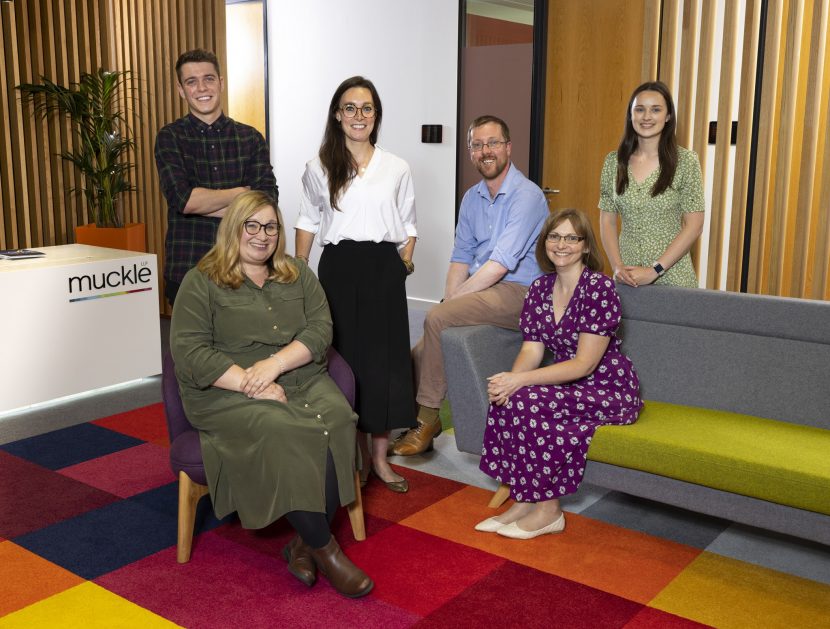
(536, 443)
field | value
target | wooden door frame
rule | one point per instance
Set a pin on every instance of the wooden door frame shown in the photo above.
(537, 90)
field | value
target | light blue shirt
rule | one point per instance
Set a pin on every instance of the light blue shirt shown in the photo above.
(503, 229)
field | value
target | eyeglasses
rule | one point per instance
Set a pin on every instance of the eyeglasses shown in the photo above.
(477, 147)
(350, 110)
(571, 239)
(254, 227)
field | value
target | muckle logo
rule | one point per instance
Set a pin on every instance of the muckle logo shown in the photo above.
(128, 279)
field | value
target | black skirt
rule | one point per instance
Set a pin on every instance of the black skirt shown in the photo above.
(366, 290)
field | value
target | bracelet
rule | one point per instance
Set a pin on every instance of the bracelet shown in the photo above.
(281, 365)
(301, 257)
(410, 266)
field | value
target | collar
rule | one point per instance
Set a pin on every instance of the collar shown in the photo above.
(507, 185)
(220, 123)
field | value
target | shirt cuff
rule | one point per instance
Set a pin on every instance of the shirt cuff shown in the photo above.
(306, 224)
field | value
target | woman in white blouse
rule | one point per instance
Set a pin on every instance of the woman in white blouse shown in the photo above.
(359, 201)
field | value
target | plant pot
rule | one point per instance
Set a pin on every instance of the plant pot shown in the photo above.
(131, 237)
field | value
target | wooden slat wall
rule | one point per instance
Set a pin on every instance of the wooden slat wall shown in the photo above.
(820, 288)
(740, 195)
(719, 211)
(685, 97)
(60, 39)
(790, 230)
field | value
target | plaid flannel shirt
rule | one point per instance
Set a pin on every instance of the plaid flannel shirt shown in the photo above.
(191, 154)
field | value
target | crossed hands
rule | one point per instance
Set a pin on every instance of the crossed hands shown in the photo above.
(259, 381)
(501, 386)
(635, 275)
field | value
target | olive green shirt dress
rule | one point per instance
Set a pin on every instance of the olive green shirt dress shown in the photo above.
(649, 224)
(262, 458)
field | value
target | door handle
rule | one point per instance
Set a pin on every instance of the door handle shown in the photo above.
(550, 191)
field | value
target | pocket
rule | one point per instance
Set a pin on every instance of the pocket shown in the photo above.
(229, 299)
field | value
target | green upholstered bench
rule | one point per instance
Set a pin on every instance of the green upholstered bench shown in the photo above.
(751, 456)
(736, 422)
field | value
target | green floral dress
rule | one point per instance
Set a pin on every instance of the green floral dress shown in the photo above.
(649, 224)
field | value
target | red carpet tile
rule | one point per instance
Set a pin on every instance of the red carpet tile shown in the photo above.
(146, 423)
(227, 585)
(420, 572)
(431, 569)
(32, 497)
(524, 597)
(126, 472)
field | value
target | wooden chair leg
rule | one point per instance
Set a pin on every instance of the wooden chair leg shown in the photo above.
(502, 494)
(189, 495)
(356, 511)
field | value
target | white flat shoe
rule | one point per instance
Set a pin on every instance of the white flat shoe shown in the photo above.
(490, 525)
(513, 531)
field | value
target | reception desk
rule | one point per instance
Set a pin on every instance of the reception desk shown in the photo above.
(78, 319)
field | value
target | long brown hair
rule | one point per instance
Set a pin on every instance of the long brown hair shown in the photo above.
(338, 162)
(222, 263)
(582, 227)
(666, 150)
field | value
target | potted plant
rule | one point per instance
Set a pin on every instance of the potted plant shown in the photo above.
(101, 140)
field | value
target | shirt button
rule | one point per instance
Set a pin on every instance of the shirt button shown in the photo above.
(275, 327)
(326, 433)
(321, 417)
(306, 405)
(215, 168)
(269, 307)
(212, 146)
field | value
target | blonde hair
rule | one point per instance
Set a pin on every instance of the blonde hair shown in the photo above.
(582, 227)
(222, 263)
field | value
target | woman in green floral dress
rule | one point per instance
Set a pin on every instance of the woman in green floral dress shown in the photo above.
(656, 187)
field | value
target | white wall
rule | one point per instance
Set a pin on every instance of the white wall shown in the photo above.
(409, 50)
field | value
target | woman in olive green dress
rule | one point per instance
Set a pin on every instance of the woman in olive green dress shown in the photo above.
(656, 187)
(249, 336)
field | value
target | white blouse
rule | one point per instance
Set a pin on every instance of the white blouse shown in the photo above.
(377, 207)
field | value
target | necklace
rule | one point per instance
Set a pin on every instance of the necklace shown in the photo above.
(362, 166)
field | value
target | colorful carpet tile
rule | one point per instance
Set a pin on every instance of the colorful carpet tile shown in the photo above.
(88, 533)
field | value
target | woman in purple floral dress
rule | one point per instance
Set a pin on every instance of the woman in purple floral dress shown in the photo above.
(542, 419)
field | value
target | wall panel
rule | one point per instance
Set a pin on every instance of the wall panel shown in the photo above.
(60, 39)
(789, 196)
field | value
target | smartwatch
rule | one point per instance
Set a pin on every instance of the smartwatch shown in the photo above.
(658, 268)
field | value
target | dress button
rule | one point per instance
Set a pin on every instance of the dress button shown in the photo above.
(306, 406)
(275, 327)
(326, 433)
(320, 417)
(269, 307)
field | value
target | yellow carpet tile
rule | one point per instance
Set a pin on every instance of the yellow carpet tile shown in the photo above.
(86, 606)
(733, 594)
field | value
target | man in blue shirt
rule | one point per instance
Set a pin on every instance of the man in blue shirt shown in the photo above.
(491, 266)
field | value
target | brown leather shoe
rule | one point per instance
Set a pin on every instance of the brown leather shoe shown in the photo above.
(416, 440)
(300, 562)
(344, 576)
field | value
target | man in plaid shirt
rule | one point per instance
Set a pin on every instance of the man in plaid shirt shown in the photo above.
(204, 161)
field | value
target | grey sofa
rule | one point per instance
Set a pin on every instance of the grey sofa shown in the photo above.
(755, 355)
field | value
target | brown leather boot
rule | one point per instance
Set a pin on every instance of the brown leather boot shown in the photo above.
(418, 439)
(300, 562)
(344, 576)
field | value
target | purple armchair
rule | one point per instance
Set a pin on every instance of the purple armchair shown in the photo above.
(186, 452)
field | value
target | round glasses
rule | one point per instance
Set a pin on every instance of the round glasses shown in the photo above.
(571, 239)
(254, 227)
(477, 147)
(350, 110)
